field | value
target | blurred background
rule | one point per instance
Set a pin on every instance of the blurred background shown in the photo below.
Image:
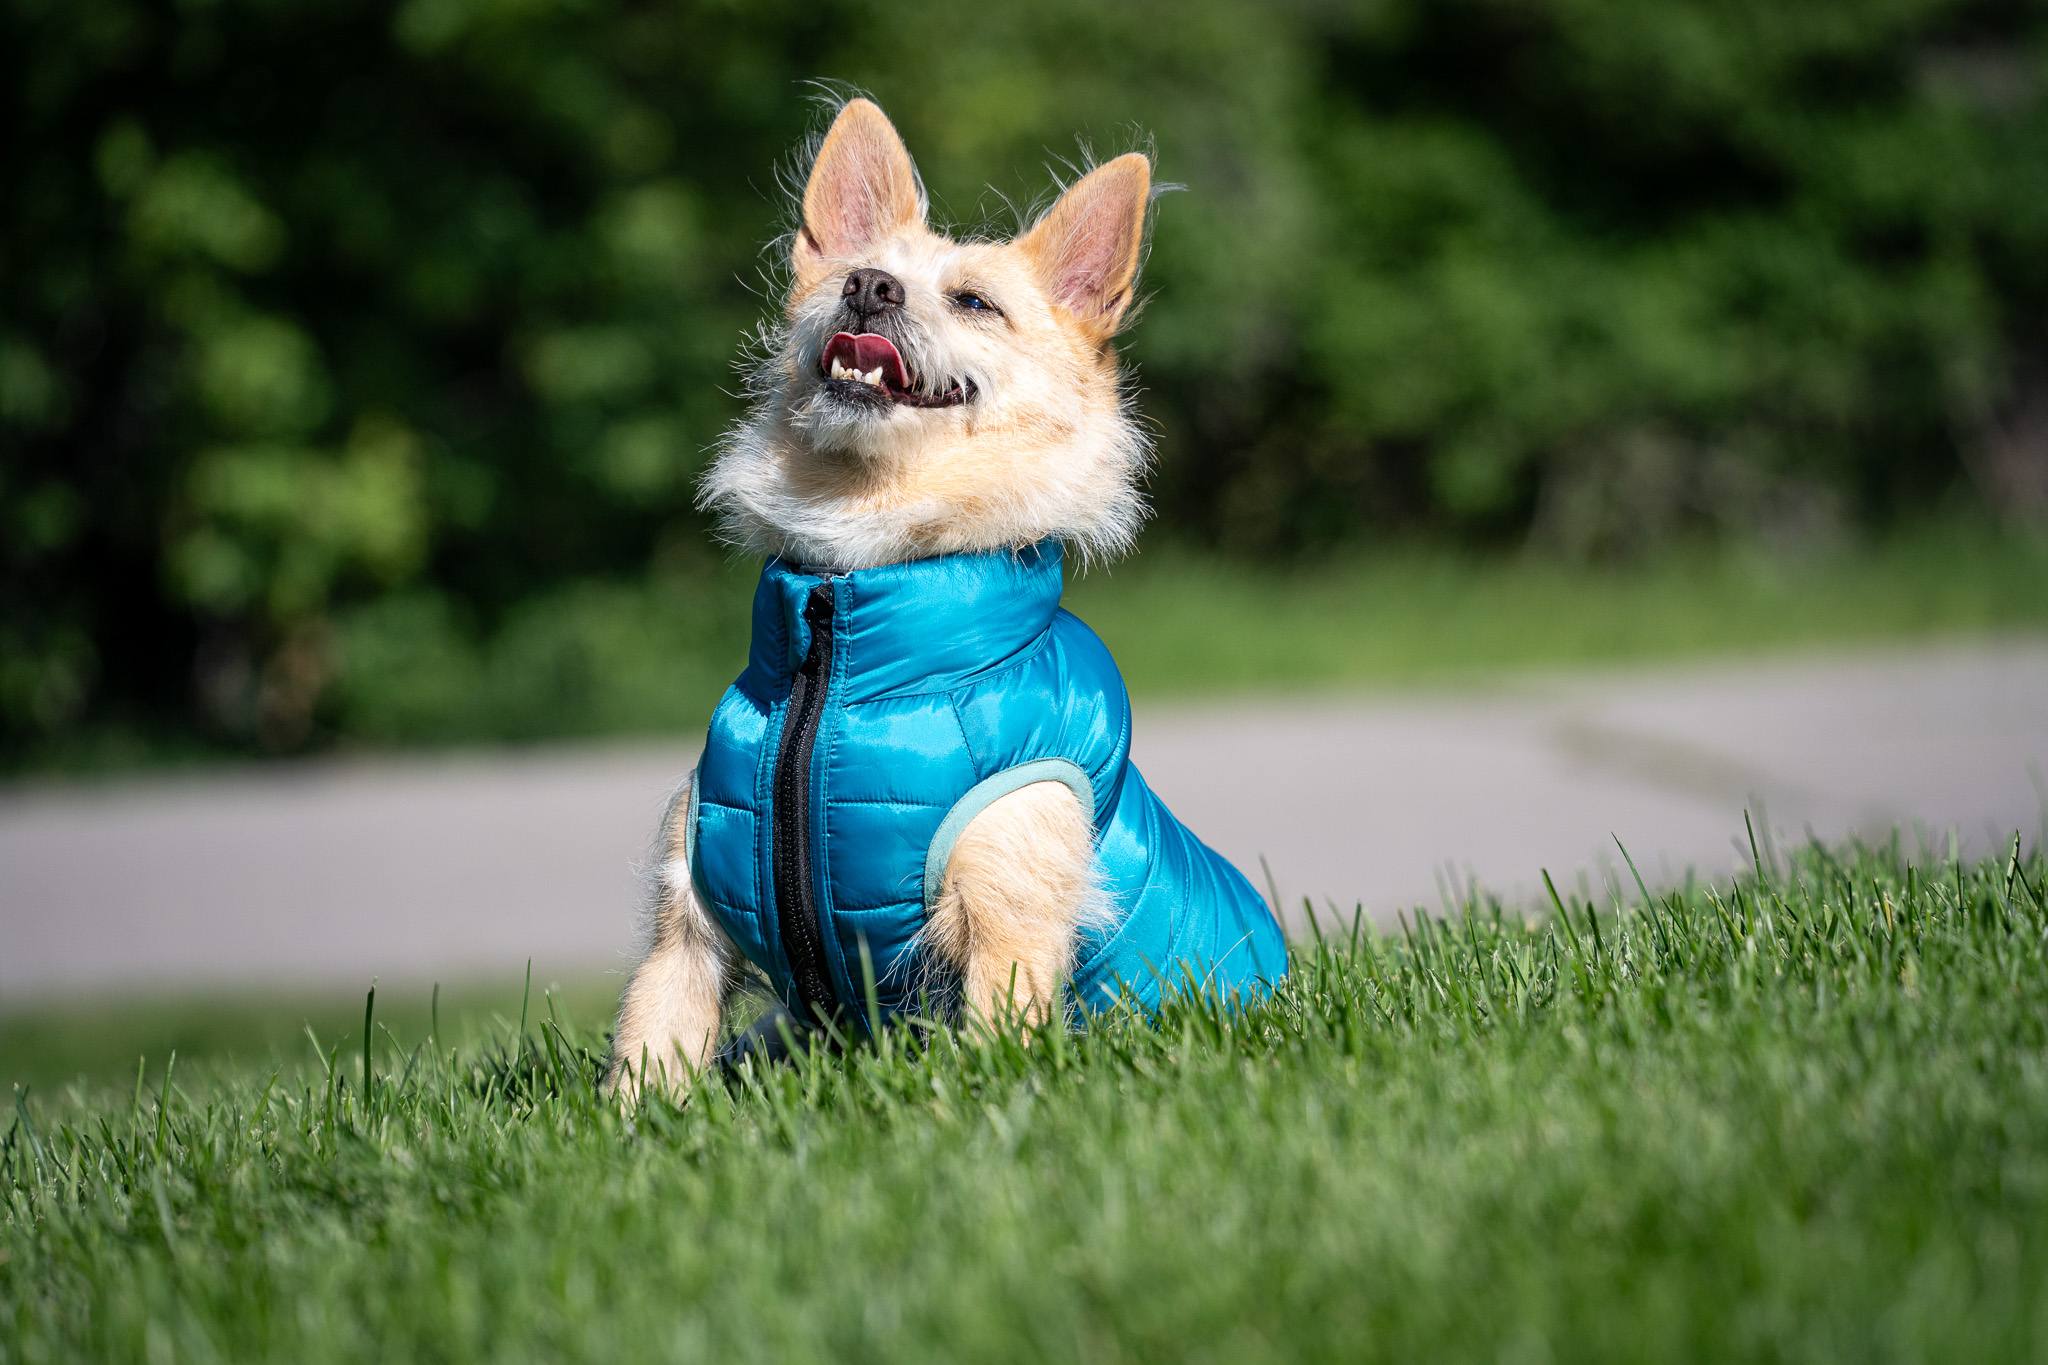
(357, 359)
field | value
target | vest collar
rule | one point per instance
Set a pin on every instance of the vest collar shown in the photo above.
(923, 626)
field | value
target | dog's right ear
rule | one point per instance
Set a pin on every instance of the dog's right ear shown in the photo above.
(862, 188)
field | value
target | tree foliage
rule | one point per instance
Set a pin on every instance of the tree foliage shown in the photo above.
(319, 313)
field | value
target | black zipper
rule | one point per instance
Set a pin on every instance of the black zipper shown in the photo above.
(796, 908)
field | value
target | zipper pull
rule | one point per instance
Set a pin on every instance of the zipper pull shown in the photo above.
(818, 609)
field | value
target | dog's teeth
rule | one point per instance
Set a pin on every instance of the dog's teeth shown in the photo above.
(872, 378)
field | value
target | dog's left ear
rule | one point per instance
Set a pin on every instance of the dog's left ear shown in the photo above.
(1086, 246)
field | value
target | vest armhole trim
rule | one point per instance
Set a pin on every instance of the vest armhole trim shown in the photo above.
(979, 798)
(690, 839)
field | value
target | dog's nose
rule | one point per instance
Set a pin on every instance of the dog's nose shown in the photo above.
(870, 291)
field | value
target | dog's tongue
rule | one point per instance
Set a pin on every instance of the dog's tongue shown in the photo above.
(866, 352)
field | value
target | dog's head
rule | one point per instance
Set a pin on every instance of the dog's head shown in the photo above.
(927, 396)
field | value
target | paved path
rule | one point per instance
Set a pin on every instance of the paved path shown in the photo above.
(330, 872)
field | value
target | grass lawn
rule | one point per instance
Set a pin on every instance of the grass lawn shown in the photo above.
(651, 655)
(1800, 1117)
(1186, 624)
(97, 1039)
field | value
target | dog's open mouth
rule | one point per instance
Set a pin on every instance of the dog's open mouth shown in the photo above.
(867, 367)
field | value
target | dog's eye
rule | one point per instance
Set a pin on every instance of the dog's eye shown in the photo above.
(968, 299)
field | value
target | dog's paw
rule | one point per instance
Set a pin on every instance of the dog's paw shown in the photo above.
(628, 1085)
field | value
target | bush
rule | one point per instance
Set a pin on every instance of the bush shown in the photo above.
(311, 304)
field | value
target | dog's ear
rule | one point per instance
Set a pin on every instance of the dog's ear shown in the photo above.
(1086, 247)
(862, 187)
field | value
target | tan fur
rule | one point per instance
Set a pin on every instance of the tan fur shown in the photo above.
(1019, 882)
(862, 186)
(670, 1015)
(1048, 446)
(1085, 249)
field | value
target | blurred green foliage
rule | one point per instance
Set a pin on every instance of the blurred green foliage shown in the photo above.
(330, 327)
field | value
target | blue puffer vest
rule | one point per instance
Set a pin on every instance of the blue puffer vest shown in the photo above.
(880, 711)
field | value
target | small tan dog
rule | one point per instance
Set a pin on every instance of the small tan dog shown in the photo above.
(923, 402)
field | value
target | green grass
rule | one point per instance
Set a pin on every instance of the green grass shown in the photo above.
(1799, 1117)
(1185, 624)
(95, 1042)
(653, 656)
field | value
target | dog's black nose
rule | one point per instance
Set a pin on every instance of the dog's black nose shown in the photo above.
(870, 291)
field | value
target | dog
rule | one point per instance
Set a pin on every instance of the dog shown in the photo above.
(920, 787)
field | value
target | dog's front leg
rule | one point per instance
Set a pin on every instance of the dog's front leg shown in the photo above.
(1019, 881)
(670, 1014)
